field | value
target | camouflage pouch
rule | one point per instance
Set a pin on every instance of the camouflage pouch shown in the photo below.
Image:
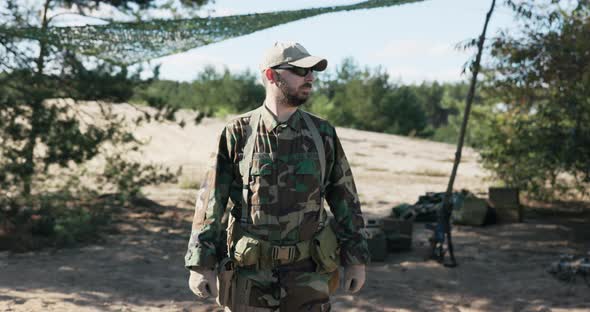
(324, 250)
(247, 251)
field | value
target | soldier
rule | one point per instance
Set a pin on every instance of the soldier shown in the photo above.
(276, 249)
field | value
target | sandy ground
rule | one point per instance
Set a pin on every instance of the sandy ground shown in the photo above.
(139, 266)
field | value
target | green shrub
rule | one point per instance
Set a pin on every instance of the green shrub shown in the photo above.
(189, 184)
(55, 219)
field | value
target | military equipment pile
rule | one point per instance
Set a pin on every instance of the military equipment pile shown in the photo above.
(394, 233)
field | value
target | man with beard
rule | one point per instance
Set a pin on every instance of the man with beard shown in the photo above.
(276, 249)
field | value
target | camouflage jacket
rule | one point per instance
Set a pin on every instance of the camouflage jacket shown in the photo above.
(284, 189)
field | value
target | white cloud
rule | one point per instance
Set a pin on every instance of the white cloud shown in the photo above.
(415, 48)
(415, 75)
(185, 66)
(414, 61)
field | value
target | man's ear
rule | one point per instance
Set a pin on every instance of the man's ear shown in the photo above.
(270, 75)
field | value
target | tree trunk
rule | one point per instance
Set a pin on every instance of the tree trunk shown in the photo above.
(37, 98)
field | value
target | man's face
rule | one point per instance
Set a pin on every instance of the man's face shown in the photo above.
(295, 88)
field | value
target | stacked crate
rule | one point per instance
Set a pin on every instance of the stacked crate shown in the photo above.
(398, 233)
(505, 201)
(376, 239)
(387, 235)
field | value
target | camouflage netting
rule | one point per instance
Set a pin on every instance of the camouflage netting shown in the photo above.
(127, 43)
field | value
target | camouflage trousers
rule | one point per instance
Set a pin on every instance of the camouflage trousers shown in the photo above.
(291, 288)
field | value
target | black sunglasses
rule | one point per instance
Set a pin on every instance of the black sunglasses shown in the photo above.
(299, 71)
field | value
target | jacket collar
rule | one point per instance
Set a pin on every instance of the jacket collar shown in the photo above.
(271, 122)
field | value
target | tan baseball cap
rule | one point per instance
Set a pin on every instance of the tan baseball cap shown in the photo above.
(291, 53)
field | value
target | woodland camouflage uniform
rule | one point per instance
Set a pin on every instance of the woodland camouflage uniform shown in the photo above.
(285, 208)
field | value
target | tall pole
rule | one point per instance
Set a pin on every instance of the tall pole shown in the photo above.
(445, 214)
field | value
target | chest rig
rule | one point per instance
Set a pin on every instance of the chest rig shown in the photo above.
(248, 250)
(245, 165)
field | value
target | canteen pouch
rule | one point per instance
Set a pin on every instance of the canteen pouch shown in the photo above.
(247, 251)
(324, 250)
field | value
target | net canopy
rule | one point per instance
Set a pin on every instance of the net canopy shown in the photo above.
(126, 43)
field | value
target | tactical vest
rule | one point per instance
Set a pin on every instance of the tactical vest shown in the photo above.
(251, 251)
(246, 162)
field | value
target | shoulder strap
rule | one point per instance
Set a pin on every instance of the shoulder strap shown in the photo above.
(246, 162)
(319, 145)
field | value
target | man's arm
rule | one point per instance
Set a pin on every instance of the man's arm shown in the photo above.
(206, 235)
(344, 203)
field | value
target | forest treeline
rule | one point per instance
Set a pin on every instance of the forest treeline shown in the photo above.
(348, 96)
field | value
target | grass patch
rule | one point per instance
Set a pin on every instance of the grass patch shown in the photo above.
(431, 173)
(189, 184)
(380, 145)
(355, 164)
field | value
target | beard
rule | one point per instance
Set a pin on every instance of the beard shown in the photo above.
(290, 96)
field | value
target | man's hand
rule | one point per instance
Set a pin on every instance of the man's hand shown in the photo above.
(203, 283)
(354, 277)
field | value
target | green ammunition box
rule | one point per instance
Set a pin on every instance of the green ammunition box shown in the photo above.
(376, 240)
(398, 233)
(471, 211)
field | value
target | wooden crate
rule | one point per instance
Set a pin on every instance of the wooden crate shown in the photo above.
(398, 233)
(377, 243)
(506, 202)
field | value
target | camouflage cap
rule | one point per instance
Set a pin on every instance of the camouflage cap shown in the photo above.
(291, 53)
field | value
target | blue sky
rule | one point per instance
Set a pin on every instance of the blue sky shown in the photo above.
(412, 42)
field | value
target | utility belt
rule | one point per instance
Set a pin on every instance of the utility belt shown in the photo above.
(252, 252)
